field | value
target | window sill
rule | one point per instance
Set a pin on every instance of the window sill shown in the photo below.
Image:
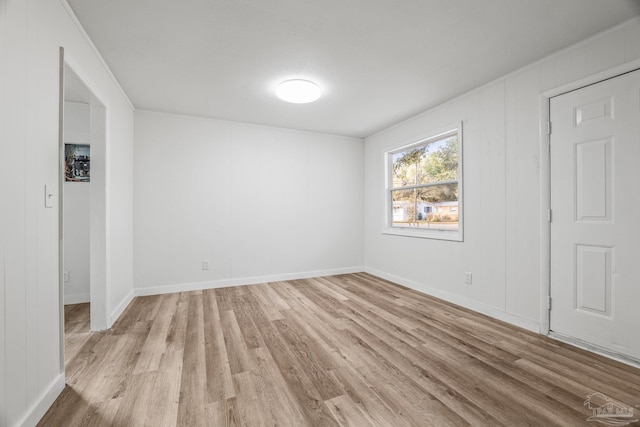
(455, 236)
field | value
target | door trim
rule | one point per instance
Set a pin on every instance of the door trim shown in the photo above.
(60, 172)
(545, 194)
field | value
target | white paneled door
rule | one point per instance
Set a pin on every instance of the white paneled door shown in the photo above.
(595, 202)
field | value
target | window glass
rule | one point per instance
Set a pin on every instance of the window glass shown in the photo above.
(424, 187)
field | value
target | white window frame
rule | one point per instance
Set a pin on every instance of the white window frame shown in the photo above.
(389, 228)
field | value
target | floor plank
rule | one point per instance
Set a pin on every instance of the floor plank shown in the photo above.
(347, 350)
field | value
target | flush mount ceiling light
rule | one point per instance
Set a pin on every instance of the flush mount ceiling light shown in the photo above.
(298, 91)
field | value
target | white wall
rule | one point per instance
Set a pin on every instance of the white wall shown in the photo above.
(76, 210)
(502, 186)
(260, 203)
(31, 32)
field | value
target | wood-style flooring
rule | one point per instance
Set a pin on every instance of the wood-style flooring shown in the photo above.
(350, 350)
(77, 329)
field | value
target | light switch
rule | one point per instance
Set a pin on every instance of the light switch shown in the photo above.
(48, 196)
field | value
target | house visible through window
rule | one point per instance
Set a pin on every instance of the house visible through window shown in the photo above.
(424, 187)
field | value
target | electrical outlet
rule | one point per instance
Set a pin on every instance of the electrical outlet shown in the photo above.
(468, 278)
(65, 276)
(205, 264)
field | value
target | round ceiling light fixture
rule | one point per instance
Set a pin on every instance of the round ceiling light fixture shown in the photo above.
(298, 91)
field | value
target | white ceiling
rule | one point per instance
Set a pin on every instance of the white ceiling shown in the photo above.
(377, 61)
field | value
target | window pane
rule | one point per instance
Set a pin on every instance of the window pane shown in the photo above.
(406, 166)
(428, 163)
(441, 161)
(404, 206)
(434, 208)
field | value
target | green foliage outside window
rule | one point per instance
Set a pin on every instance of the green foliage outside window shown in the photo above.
(424, 184)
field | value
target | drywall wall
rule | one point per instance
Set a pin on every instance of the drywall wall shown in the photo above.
(31, 360)
(76, 210)
(502, 186)
(259, 203)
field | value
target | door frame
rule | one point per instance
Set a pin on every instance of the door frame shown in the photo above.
(545, 181)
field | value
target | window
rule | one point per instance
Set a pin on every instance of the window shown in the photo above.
(424, 187)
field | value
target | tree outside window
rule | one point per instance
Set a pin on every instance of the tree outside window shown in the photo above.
(424, 186)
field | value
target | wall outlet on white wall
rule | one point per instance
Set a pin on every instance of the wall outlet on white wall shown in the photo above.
(65, 276)
(205, 264)
(468, 278)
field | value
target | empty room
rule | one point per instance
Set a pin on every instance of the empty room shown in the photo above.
(329, 213)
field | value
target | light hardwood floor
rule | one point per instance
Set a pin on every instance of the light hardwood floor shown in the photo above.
(335, 351)
(77, 329)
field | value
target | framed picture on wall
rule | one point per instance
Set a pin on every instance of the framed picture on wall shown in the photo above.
(77, 162)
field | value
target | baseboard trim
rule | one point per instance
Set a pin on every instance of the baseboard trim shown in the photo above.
(46, 399)
(115, 314)
(225, 283)
(479, 307)
(76, 298)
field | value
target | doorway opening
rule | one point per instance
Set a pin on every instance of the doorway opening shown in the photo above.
(83, 213)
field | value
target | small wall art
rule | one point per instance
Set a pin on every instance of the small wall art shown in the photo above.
(77, 162)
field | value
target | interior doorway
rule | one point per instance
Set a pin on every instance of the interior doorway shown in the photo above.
(76, 190)
(83, 203)
(76, 203)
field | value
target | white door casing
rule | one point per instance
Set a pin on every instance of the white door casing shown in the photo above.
(595, 200)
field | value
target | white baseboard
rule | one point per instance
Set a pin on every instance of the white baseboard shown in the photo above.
(462, 301)
(44, 402)
(76, 298)
(224, 283)
(115, 314)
